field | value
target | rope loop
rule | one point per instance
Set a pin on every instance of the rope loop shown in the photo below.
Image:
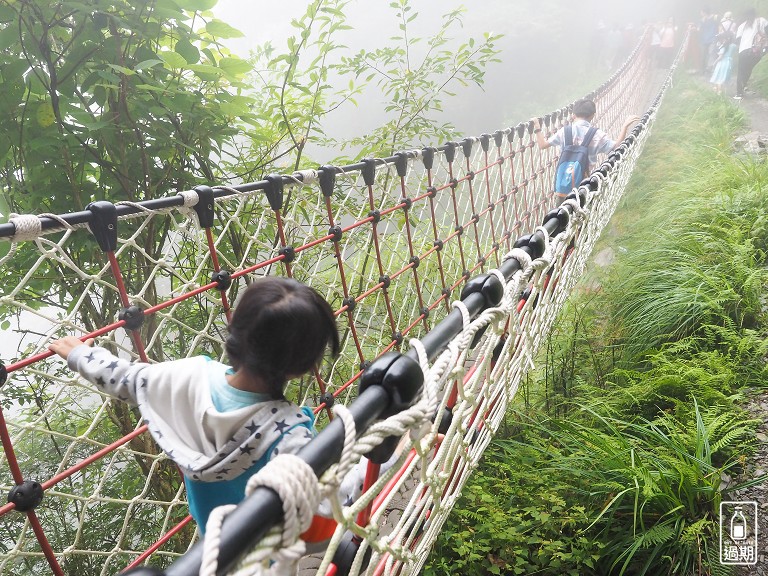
(305, 177)
(59, 219)
(546, 235)
(137, 205)
(522, 257)
(465, 316)
(578, 213)
(295, 483)
(11, 253)
(496, 272)
(347, 459)
(421, 352)
(232, 191)
(189, 197)
(28, 227)
(210, 562)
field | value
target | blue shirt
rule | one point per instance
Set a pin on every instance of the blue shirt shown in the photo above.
(203, 497)
(227, 398)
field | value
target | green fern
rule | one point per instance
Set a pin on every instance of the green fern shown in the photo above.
(640, 385)
(657, 535)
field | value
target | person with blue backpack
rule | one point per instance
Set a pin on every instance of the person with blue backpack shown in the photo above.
(580, 143)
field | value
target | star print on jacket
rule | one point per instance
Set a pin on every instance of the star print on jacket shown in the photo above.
(174, 398)
(216, 451)
(280, 426)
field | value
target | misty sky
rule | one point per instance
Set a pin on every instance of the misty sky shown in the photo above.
(546, 44)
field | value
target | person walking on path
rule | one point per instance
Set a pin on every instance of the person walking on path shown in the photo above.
(726, 54)
(656, 44)
(667, 44)
(727, 24)
(707, 34)
(751, 38)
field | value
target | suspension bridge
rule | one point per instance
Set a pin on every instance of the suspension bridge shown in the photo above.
(446, 267)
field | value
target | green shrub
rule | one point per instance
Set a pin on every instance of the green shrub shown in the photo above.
(712, 368)
(594, 494)
(651, 486)
(513, 520)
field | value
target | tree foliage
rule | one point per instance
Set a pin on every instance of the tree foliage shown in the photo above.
(112, 99)
(130, 101)
(416, 74)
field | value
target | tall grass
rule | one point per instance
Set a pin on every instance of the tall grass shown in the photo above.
(690, 275)
(694, 226)
(692, 136)
(654, 484)
(632, 420)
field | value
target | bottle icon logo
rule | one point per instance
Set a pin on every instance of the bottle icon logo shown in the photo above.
(738, 525)
(738, 533)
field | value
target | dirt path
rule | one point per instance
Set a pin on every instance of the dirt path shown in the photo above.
(756, 109)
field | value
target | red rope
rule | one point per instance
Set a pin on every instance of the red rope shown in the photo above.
(135, 334)
(10, 456)
(283, 242)
(343, 277)
(375, 239)
(522, 196)
(413, 266)
(436, 236)
(455, 204)
(371, 476)
(18, 478)
(491, 203)
(159, 544)
(217, 268)
(45, 546)
(470, 185)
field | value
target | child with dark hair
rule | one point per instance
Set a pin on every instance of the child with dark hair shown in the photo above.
(222, 424)
(280, 330)
(598, 142)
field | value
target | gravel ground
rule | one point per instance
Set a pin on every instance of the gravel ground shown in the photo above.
(757, 406)
(756, 110)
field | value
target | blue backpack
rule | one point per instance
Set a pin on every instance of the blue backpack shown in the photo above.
(573, 163)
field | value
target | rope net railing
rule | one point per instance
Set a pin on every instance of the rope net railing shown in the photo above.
(451, 260)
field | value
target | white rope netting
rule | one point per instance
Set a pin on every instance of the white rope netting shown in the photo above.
(392, 274)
